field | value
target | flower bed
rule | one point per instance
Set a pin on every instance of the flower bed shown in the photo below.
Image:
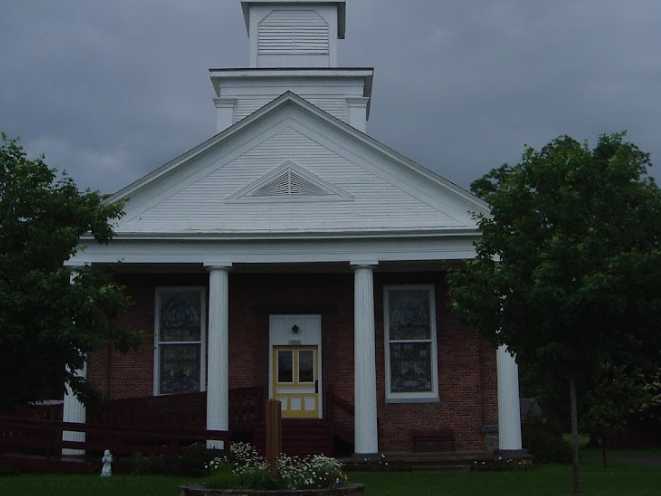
(245, 472)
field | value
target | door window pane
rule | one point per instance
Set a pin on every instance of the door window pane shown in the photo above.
(410, 367)
(408, 314)
(285, 366)
(179, 368)
(180, 315)
(306, 366)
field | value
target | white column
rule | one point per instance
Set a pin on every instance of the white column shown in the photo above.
(509, 410)
(73, 410)
(218, 352)
(366, 437)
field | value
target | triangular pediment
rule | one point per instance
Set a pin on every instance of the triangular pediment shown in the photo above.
(292, 168)
(289, 183)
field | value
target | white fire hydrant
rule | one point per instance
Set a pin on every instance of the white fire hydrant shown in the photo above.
(106, 471)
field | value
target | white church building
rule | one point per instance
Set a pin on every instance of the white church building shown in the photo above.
(293, 256)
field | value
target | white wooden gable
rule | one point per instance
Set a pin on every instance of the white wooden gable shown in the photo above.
(291, 169)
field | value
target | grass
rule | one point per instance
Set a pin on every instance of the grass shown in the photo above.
(625, 477)
(89, 485)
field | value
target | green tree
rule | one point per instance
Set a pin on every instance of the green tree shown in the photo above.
(46, 323)
(618, 396)
(568, 266)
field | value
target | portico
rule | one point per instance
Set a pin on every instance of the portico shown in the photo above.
(235, 340)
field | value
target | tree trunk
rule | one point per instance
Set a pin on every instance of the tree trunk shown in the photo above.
(576, 483)
(604, 455)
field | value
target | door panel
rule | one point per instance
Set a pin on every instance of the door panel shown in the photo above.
(296, 380)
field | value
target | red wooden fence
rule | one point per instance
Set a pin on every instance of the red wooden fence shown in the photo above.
(44, 437)
(152, 425)
(156, 425)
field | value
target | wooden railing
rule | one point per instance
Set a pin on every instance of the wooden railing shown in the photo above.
(341, 413)
(340, 403)
(178, 411)
(45, 437)
(148, 425)
(171, 412)
(246, 409)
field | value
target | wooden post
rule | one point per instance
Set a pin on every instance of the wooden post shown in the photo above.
(273, 421)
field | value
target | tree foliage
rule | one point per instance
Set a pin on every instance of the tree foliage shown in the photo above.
(618, 396)
(46, 323)
(568, 267)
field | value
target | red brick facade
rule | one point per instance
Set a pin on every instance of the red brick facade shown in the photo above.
(466, 364)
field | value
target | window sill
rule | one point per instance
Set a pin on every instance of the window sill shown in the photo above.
(400, 400)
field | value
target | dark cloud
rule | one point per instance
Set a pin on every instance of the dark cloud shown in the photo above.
(109, 90)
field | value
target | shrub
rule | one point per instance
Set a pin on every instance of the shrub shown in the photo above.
(223, 478)
(192, 458)
(138, 463)
(189, 462)
(260, 478)
(8, 470)
(545, 443)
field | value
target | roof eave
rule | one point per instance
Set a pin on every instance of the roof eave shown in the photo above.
(288, 235)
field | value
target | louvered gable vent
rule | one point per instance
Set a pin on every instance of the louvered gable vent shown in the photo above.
(298, 32)
(289, 182)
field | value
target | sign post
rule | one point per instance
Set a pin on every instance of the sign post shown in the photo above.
(273, 431)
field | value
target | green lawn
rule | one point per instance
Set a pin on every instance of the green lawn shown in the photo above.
(639, 477)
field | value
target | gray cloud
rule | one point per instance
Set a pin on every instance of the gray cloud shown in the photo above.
(109, 90)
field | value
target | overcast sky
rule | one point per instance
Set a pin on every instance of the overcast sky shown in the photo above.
(110, 90)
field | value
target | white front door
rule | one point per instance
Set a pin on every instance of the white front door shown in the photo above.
(295, 364)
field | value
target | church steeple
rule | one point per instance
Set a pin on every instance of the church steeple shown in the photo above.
(293, 47)
(294, 33)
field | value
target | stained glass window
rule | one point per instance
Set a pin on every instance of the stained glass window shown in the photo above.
(409, 314)
(180, 368)
(180, 315)
(410, 367)
(410, 347)
(180, 333)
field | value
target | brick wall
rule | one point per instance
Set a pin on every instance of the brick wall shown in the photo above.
(131, 375)
(467, 365)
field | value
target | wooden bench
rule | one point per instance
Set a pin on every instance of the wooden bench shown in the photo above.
(433, 441)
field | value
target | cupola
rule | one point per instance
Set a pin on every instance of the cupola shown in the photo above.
(294, 33)
(294, 47)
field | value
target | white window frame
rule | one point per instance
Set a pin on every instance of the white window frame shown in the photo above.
(412, 397)
(203, 335)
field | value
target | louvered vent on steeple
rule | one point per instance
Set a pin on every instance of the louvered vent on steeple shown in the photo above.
(293, 32)
(290, 182)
